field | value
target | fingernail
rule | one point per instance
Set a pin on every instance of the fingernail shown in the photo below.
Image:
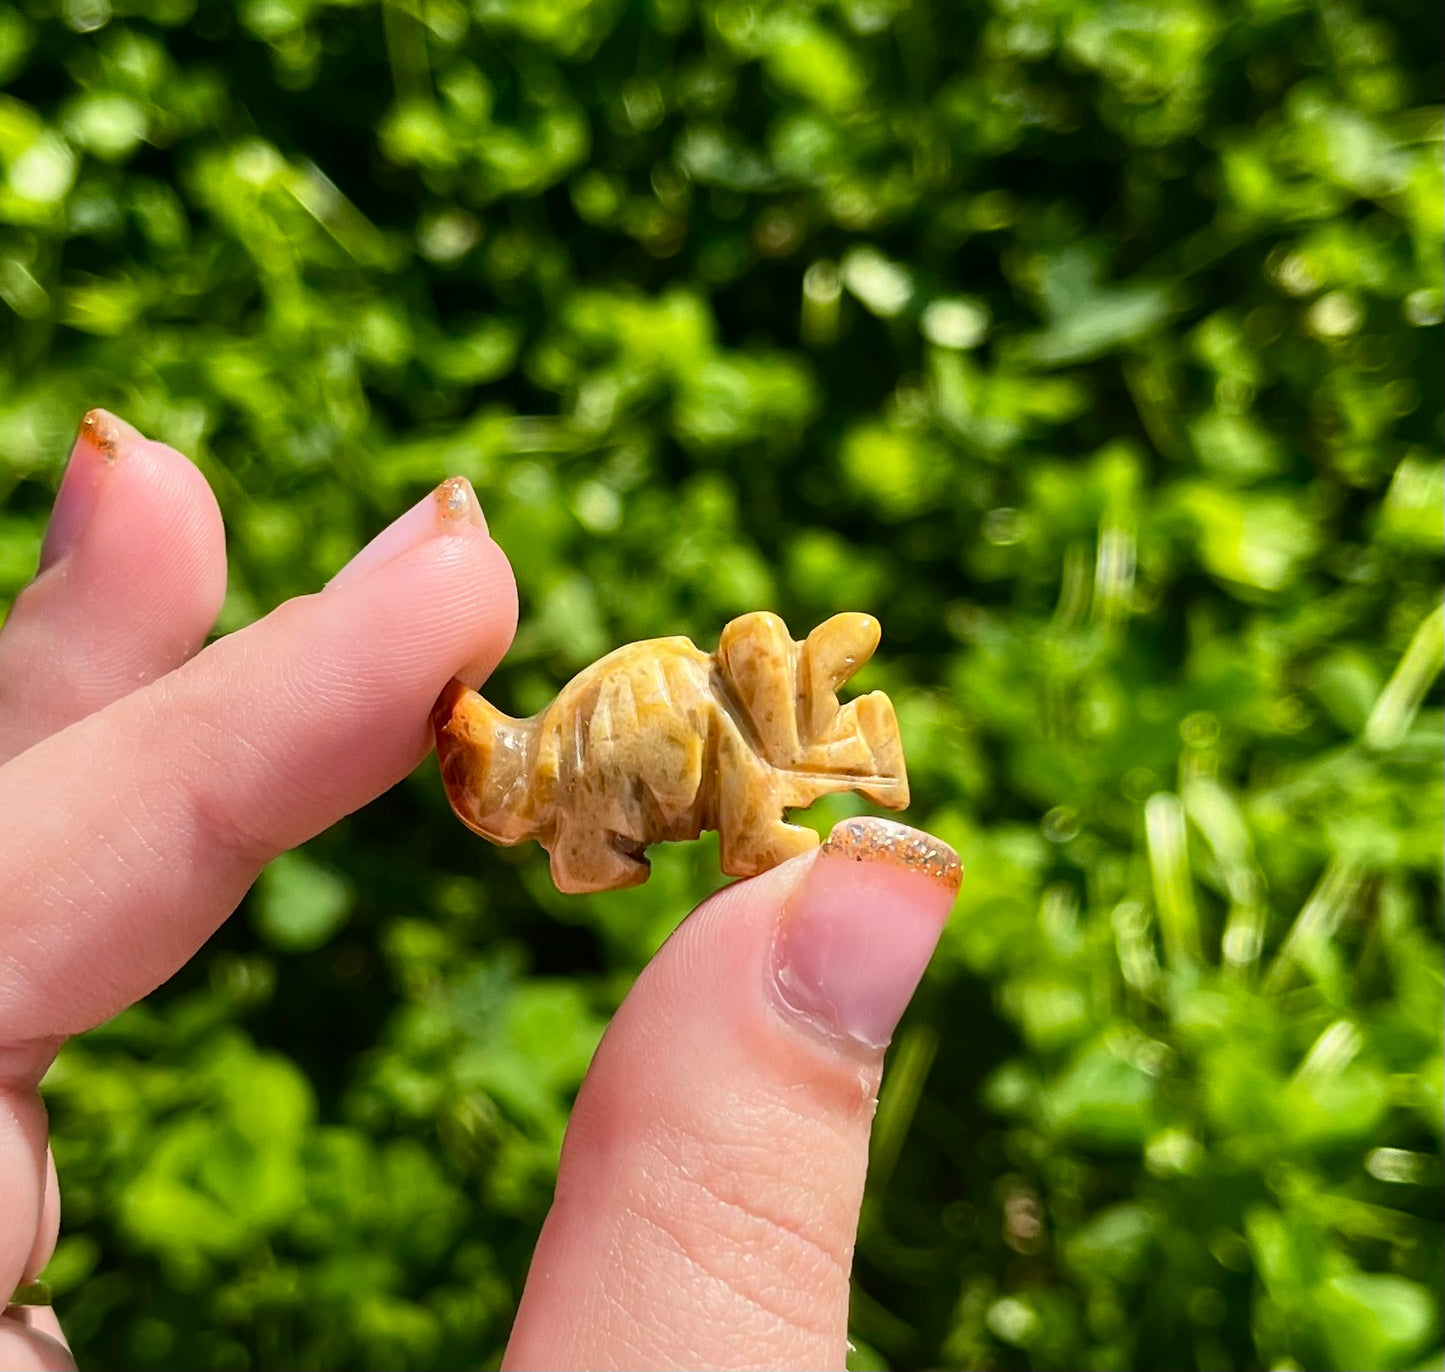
(98, 446)
(857, 932)
(445, 510)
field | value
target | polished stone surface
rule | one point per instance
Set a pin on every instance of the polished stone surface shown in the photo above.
(659, 741)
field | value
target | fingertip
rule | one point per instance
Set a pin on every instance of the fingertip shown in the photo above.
(858, 932)
(130, 498)
(449, 524)
(498, 583)
(132, 575)
(48, 1230)
(450, 598)
(185, 509)
(146, 578)
(32, 1343)
(316, 709)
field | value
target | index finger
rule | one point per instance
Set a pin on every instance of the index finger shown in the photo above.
(132, 834)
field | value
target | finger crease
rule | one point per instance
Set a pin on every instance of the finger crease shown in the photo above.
(693, 1257)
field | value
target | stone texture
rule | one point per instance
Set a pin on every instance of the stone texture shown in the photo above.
(659, 741)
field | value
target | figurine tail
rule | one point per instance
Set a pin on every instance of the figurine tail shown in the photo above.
(878, 724)
(485, 759)
(863, 754)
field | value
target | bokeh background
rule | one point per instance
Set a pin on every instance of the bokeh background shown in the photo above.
(1094, 345)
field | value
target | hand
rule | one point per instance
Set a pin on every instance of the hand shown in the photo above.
(710, 1184)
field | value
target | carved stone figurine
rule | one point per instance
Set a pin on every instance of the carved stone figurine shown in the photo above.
(660, 740)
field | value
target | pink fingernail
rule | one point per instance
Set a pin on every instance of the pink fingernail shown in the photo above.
(858, 931)
(445, 510)
(99, 445)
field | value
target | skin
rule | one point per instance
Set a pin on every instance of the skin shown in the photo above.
(711, 1181)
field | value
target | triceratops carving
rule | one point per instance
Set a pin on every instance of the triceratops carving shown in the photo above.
(660, 740)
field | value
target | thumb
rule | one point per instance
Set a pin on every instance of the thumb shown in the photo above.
(709, 1188)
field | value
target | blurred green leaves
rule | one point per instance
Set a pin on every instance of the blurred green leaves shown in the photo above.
(300, 905)
(1093, 346)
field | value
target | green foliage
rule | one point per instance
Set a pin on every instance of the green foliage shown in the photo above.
(1093, 345)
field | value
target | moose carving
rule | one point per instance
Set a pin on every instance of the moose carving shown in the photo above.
(659, 741)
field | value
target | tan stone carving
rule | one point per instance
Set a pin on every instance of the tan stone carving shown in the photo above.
(659, 741)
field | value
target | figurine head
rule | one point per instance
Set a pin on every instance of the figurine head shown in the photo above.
(485, 759)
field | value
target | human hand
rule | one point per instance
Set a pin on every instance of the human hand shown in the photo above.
(709, 1189)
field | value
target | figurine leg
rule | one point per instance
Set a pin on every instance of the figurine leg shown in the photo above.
(842, 751)
(878, 725)
(859, 750)
(752, 836)
(590, 859)
(752, 851)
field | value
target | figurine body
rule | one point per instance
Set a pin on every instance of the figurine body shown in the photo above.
(660, 741)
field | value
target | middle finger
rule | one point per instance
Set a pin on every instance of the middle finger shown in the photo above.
(131, 578)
